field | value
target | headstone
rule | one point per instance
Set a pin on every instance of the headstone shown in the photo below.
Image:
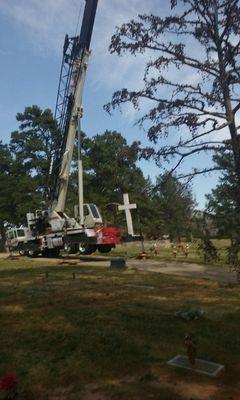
(201, 366)
(118, 263)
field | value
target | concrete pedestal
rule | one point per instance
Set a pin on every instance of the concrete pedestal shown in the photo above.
(118, 264)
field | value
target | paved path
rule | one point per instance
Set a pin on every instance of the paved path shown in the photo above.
(196, 271)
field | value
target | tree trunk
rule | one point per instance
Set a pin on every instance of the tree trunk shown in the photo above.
(2, 238)
(235, 142)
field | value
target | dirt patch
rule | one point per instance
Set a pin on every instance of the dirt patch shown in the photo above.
(206, 392)
(190, 270)
(92, 392)
(13, 309)
(190, 390)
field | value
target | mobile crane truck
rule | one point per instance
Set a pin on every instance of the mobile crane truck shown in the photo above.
(49, 231)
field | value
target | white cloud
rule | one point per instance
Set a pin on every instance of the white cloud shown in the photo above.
(46, 22)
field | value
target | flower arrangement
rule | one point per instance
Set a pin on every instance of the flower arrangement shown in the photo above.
(8, 387)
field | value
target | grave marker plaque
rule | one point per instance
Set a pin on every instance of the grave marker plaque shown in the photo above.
(201, 366)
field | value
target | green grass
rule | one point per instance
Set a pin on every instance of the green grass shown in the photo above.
(101, 335)
(166, 254)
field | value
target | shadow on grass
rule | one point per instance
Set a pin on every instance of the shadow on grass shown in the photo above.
(59, 332)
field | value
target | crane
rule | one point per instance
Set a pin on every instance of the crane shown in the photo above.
(49, 231)
(68, 110)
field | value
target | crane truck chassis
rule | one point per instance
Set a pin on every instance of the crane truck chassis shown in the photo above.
(47, 236)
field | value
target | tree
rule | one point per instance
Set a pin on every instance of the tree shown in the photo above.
(17, 191)
(112, 165)
(174, 205)
(222, 199)
(5, 167)
(24, 165)
(34, 144)
(222, 202)
(199, 38)
(208, 249)
(110, 170)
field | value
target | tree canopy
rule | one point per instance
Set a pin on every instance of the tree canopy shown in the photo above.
(222, 199)
(34, 144)
(110, 169)
(174, 205)
(17, 189)
(191, 81)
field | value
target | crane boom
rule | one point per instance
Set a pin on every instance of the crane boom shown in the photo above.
(69, 102)
(87, 23)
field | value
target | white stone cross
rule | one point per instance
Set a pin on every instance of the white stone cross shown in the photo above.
(127, 207)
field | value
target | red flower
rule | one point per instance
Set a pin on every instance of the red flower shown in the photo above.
(8, 382)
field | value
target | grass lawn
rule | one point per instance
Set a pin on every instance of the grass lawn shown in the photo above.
(166, 254)
(108, 335)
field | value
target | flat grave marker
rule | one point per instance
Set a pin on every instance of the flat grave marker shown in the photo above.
(141, 287)
(201, 366)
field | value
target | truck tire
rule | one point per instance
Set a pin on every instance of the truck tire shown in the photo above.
(86, 249)
(22, 253)
(32, 253)
(70, 249)
(104, 248)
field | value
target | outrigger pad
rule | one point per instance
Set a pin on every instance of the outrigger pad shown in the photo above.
(118, 263)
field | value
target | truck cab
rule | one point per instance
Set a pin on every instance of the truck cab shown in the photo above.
(92, 216)
(15, 237)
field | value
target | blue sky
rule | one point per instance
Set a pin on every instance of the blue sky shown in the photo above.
(31, 39)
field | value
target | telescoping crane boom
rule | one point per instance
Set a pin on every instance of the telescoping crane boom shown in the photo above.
(49, 231)
(69, 105)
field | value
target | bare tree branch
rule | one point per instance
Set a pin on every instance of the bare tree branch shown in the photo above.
(197, 112)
